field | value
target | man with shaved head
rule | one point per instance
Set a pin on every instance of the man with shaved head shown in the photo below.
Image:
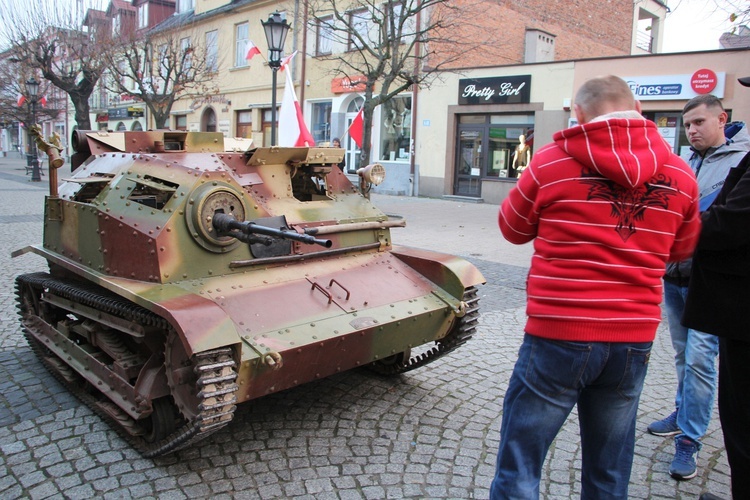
(607, 204)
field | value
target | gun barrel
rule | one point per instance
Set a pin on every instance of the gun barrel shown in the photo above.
(224, 223)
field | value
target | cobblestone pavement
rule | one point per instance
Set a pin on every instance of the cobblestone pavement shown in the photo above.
(431, 433)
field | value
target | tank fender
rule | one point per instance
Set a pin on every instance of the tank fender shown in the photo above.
(201, 324)
(452, 274)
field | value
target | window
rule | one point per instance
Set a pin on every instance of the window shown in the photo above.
(185, 6)
(116, 25)
(143, 16)
(324, 36)
(396, 15)
(321, 121)
(267, 127)
(180, 122)
(244, 124)
(395, 129)
(187, 53)
(240, 45)
(212, 51)
(359, 22)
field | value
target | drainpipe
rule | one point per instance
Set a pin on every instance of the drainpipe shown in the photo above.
(414, 107)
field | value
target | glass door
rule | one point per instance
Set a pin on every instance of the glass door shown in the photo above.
(470, 162)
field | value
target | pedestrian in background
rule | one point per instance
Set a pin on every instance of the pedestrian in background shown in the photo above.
(717, 303)
(716, 147)
(336, 143)
(608, 204)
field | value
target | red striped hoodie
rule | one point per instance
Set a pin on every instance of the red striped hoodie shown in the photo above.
(607, 204)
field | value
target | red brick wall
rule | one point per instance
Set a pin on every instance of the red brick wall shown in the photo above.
(583, 29)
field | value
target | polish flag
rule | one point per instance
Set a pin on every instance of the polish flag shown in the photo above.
(287, 60)
(43, 101)
(357, 128)
(21, 100)
(252, 50)
(292, 128)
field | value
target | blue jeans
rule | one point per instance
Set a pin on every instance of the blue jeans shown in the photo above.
(550, 377)
(695, 362)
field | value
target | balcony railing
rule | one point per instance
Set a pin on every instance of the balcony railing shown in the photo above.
(644, 41)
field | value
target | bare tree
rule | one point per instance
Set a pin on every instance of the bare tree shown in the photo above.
(51, 38)
(162, 66)
(13, 78)
(397, 44)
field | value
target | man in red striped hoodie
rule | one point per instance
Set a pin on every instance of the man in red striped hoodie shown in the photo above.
(607, 204)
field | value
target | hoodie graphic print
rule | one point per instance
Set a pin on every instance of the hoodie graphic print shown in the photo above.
(607, 204)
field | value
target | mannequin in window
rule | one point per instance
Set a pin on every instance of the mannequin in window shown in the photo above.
(523, 155)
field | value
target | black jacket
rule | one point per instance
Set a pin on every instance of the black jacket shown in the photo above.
(718, 298)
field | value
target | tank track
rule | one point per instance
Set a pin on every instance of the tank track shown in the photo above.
(461, 332)
(210, 417)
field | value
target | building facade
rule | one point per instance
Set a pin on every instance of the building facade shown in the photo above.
(468, 146)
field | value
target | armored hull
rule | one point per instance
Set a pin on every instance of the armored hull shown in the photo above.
(185, 279)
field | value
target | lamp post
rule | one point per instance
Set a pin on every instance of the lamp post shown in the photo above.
(32, 87)
(276, 29)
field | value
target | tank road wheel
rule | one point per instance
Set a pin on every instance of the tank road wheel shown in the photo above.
(181, 377)
(162, 422)
(203, 385)
(28, 292)
(387, 365)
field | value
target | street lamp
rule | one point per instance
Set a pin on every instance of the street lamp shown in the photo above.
(32, 87)
(276, 29)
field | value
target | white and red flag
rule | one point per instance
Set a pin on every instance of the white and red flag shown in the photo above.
(292, 128)
(287, 60)
(21, 100)
(252, 50)
(357, 128)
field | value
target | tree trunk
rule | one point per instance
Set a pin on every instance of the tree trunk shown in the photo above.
(82, 111)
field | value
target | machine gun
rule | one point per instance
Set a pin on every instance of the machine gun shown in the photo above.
(264, 235)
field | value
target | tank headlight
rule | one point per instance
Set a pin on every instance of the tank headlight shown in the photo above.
(374, 173)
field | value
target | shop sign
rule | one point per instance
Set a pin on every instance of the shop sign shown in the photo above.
(349, 84)
(495, 90)
(677, 87)
(134, 112)
(118, 113)
(211, 99)
(703, 81)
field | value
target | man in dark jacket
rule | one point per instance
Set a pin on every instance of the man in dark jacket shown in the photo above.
(717, 303)
(717, 147)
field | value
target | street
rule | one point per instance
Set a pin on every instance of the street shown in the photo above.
(430, 433)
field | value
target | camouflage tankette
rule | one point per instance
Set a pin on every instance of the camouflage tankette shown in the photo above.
(187, 275)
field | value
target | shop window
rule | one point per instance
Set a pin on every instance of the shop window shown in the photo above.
(121, 127)
(180, 122)
(321, 122)
(395, 129)
(244, 124)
